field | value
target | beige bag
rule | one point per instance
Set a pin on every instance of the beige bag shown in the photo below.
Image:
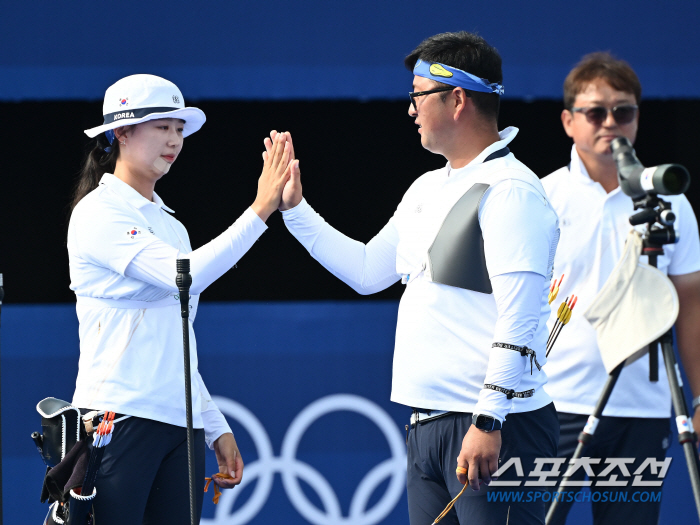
(636, 306)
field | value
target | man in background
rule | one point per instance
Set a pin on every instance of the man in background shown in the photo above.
(601, 101)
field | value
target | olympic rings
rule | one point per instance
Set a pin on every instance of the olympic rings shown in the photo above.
(290, 468)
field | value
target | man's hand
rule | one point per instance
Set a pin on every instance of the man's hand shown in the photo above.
(229, 459)
(291, 195)
(479, 455)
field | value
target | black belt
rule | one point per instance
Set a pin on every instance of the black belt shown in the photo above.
(421, 416)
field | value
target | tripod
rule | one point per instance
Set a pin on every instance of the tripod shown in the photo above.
(657, 215)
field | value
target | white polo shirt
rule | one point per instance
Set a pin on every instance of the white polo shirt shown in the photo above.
(594, 228)
(444, 334)
(131, 354)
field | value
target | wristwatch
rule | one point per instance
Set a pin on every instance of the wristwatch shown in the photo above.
(696, 403)
(486, 423)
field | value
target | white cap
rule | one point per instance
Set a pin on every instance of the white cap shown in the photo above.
(138, 98)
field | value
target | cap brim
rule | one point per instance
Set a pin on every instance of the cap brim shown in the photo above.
(194, 119)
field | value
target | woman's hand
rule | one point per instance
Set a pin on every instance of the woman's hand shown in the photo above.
(229, 460)
(291, 195)
(276, 172)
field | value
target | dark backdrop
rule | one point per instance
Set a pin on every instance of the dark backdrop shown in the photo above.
(357, 160)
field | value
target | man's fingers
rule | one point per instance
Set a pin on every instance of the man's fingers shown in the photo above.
(278, 150)
(485, 471)
(462, 475)
(286, 157)
(473, 475)
(282, 158)
(291, 144)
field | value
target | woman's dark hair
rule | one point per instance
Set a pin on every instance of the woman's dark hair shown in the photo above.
(97, 163)
(470, 53)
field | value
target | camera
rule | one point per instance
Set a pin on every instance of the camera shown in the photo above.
(636, 181)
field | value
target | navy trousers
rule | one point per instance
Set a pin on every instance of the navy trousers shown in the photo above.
(143, 477)
(615, 437)
(433, 448)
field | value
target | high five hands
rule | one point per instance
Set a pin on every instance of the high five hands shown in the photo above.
(277, 170)
(291, 194)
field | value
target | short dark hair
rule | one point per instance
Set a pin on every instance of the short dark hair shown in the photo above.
(468, 52)
(602, 65)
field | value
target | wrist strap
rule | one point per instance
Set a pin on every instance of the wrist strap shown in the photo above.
(696, 403)
(510, 394)
(524, 351)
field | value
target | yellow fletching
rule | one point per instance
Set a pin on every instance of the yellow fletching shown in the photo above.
(554, 290)
(561, 309)
(567, 317)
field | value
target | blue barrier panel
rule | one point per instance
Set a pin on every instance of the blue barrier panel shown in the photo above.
(306, 388)
(345, 49)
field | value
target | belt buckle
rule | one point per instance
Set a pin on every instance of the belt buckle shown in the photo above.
(415, 417)
(430, 415)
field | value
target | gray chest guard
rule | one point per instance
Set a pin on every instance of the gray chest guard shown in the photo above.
(457, 253)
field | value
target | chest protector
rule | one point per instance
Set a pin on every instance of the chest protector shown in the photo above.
(457, 254)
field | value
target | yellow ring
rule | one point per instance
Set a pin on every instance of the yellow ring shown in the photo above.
(461, 470)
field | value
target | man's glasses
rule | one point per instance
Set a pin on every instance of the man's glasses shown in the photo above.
(598, 114)
(415, 94)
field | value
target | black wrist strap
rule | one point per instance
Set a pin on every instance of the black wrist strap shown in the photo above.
(524, 351)
(510, 394)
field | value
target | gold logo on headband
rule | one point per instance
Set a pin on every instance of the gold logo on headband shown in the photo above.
(439, 71)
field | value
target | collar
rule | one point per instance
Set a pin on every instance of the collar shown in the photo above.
(506, 136)
(579, 171)
(130, 195)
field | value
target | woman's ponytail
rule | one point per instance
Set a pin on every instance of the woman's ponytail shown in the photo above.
(97, 163)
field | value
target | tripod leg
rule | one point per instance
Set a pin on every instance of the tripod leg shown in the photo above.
(680, 408)
(586, 436)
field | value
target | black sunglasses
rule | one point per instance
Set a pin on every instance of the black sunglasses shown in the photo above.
(415, 94)
(598, 114)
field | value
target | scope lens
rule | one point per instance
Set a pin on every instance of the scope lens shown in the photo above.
(675, 180)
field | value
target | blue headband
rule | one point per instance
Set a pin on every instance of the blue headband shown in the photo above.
(455, 77)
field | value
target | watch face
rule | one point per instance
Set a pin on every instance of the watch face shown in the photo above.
(485, 423)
